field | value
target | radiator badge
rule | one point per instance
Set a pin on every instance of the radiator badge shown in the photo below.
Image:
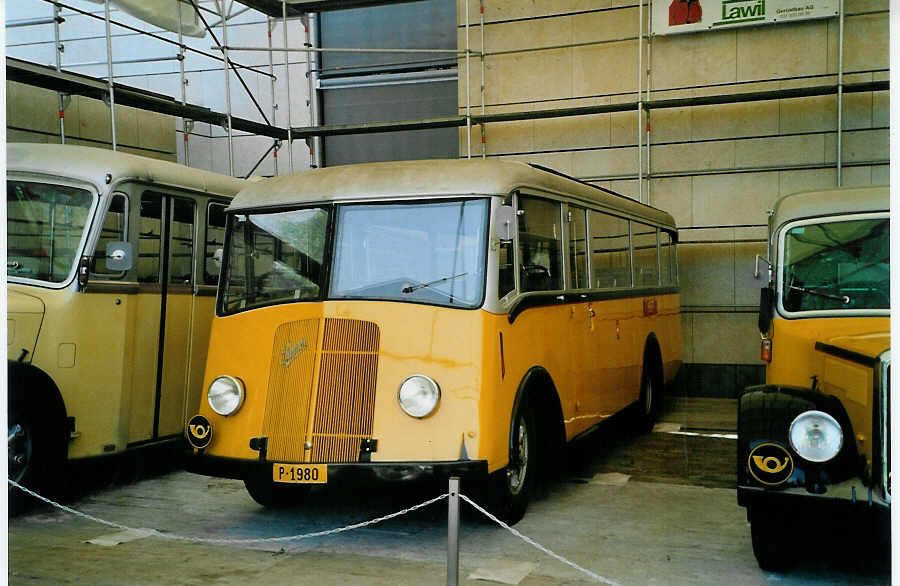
(770, 464)
(292, 351)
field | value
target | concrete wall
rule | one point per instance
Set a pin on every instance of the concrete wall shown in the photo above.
(717, 169)
(32, 112)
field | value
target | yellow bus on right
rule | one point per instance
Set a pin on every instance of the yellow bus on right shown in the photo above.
(814, 441)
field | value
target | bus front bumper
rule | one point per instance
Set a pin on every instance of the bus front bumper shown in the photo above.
(241, 469)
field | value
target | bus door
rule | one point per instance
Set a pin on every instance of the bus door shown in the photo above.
(164, 315)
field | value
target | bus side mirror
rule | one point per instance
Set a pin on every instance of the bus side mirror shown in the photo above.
(118, 256)
(766, 309)
(504, 223)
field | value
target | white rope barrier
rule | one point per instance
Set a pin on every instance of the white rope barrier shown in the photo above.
(177, 537)
(174, 536)
(537, 545)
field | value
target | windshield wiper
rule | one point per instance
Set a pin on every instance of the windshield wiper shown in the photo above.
(411, 288)
(842, 298)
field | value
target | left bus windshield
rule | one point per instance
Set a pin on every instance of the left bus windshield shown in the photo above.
(842, 265)
(273, 258)
(45, 224)
(430, 252)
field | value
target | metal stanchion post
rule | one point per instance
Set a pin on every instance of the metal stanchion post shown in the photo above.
(453, 533)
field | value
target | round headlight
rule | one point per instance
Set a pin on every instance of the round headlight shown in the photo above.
(816, 436)
(225, 395)
(419, 395)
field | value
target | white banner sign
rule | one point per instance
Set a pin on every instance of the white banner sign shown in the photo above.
(688, 16)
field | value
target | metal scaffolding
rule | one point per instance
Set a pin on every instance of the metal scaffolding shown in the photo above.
(112, 92)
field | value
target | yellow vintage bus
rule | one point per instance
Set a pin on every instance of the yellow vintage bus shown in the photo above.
(814, 441)
(112, 269)
(430, 318)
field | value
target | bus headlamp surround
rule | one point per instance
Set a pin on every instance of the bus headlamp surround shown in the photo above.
(419, 396)
(225, 394)
(816, 436)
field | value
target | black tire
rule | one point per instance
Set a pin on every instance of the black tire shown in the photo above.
(769, 533)
(274, 495)
(512, 487)
(647, 408)
(36, 451)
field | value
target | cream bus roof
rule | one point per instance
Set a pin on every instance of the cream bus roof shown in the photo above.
(92, 164)
(830, 202)
(415, 179)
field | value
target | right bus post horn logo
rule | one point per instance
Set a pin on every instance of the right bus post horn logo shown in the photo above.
(770, 464)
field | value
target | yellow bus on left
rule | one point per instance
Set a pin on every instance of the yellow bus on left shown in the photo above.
(112, 262)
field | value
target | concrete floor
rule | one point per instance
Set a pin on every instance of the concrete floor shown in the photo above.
(652, 509)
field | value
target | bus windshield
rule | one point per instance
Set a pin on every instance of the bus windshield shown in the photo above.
(424, 252)
(842, 265)
(274, 258)
(45, 225)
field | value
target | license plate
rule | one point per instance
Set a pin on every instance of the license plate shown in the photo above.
(300, 473)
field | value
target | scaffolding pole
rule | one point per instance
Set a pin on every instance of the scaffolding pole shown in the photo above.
(315, 111)
(287, 83)
(220, 4)
(840, 93)
(640, 100)
(483, 129)
(468, 97)
(184, 123)
(269, 26)
(111, 94)
(58, 49)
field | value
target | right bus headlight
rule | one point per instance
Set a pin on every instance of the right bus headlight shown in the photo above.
(418, 395)
(816, 436)
(225, 395)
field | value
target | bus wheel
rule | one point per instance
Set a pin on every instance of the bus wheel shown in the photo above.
(276, 495)
(513, 486)
(648, 404)
(32, 456)
(769, 534)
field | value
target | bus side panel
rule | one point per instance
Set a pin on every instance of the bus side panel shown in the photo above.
(146, 350)
(176, 360)
(202, 317)
(662, 320)
(82, 346)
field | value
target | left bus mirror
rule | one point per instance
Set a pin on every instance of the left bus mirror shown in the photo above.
(118, 256)
(504, 222)
(766, 309)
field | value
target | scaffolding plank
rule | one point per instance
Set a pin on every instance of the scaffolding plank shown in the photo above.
(83, 85)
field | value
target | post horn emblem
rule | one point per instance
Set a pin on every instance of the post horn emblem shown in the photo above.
(199, 432)
(770, 464)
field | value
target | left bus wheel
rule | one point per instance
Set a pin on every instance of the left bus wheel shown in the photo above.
(275, 495)
(30, 450)
(512, 486)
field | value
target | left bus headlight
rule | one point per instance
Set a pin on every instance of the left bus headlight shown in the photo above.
(816, 436)
(419, 396)
(225, 395)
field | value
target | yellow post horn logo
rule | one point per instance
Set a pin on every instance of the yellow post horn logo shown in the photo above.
(199, 431)
(770, 464)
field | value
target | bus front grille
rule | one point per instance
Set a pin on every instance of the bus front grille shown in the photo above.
(345, 400)
(341, 405)
(286, 419)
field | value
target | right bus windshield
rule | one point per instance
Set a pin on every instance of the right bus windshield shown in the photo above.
(837, 265)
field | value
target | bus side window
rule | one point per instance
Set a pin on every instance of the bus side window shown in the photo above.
(667, 259)
(114, 229)
(150, 231)
(577, 257)
(181, 241)
(610, 261)
(214, 242)
(540, 244)
(646, 273)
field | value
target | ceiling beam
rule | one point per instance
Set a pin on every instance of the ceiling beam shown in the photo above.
(300, 7)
